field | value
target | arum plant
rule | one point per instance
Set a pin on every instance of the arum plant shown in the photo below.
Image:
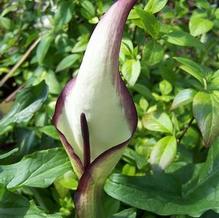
(95, 115)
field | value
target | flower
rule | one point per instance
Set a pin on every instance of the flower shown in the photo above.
(95, 113)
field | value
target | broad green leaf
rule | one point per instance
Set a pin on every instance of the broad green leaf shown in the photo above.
(183, 39)
(184, 97)
(158, 193)
(154, 6)
(165, 87)
(16, 206)
(150, 23)
(39, 169)
(205, 110)
(43, 47)
(164, 152)
(192, 68)
(27, 102)
(153, 53)
(158, 122)
(199, 25)
(188, 191)
(50, 131)
(205, 175)
(67, 62)
(131, 70)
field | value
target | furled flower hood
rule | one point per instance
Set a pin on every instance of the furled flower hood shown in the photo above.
(95, 112)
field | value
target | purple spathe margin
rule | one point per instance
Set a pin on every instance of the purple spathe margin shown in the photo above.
(58, 110)
(127, 103)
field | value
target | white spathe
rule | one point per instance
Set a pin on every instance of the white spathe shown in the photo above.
(95, 92)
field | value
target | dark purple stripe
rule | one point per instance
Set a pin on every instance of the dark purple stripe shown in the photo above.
(86, 140)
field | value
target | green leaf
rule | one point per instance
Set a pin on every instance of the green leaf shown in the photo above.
(205, 174)
(81, 45)
(15, 206)
(203, 4)
(131, 70)
(217, 13)
(165, 87)
(149, 193)
(143, 90)
(150, 23)
(213, 83)
(128, 170)
(153, 53)
(164, 152)
(199, 25)
(205, 110)
(194, 69)
(27, 140)
(68, 180)
(5, 22)
(127, 47)
(67, 62)
(39, 169)
(52, 82)
(127, 213)
(143, 103)
(63, 14)
(87, 10)
(27, 102)
(43, 47)
(154, 6)
(50, 131)
(158, 122)
(9, 153)
(134, 158)
(184, 97)
(183, 39)
(188, 191)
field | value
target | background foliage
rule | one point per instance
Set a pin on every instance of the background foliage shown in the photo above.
(169, 59)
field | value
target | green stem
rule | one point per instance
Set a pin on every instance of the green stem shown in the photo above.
(90, 198)
(90, 201)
